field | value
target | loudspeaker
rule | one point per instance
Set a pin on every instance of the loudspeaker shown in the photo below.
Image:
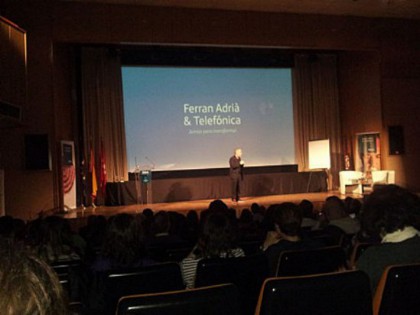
(396, 140)
(37, 152)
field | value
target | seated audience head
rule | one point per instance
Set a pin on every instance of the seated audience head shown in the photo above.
(246, 216)
(123, 243)
(268, 221)
(334, 208)
(192, 217)
(218, 235)
(59, 230)
(147, 222)
(177, 222)
(255, 208)
(306, 208)
(161, 223)
(148, 213)
(28, 286)
(353, 206)
(19, 229)
(94, 231)
(51, 238)
(218, 205)
(287, 219)
(388, 209)
(6, 227)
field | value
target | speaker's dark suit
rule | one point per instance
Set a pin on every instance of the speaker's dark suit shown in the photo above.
(236, 176)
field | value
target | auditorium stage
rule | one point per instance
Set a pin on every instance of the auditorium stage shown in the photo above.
(199, 205)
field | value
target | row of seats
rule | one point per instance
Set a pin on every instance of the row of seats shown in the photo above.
(331, 293)
(246, 273)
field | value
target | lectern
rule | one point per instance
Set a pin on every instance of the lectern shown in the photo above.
(143, 180)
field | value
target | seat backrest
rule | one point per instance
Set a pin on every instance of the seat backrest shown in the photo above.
(251, 247)
(398, 291)
(217, 300)
(329, 236)
(70, 276)
(149, 279)
(247, 273)
(357, 251)
(173, 253)
(312, 261)
(344, 293)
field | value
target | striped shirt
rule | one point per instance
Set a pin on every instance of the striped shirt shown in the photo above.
(189, 265)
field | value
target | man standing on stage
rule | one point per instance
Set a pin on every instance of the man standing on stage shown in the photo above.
(236, 173)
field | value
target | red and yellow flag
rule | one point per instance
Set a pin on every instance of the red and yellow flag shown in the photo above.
(92, 169)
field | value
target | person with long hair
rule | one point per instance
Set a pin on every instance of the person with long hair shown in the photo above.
(123, 245)
(28, 285)
(51, 239)
(217, 240)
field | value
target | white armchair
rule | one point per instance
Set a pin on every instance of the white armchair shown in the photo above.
(383, 177)
(352, 180)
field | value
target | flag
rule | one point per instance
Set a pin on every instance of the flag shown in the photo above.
(102, 175)
(93, 172)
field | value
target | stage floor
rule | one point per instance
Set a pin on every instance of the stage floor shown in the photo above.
(198, 205)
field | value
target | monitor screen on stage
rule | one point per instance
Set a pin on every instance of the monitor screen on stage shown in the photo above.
(180, 118)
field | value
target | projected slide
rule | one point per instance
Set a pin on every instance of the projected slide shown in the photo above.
(193, 118)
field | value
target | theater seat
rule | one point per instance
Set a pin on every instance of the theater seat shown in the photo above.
(357, 251)
(211, 300)
(398, 291)
(169, 253)
(247, 273)
(70, 275)
(150, 279)
(344, 293)
(313, 261)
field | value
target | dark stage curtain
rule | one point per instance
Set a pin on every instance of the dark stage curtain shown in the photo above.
(316, 108)
(103, 110)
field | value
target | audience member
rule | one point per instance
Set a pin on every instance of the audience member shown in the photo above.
(335, 214)
(161, 231)
(51, 239)
(147, 224)
(258, 212)
(309, 217)
(6, 228)
(123, 245)
(28, 286)
(218, 239)
(388, 214)
(353, 207)
(286, 234)
(191, 229)
(248, 228)
(94, 234)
